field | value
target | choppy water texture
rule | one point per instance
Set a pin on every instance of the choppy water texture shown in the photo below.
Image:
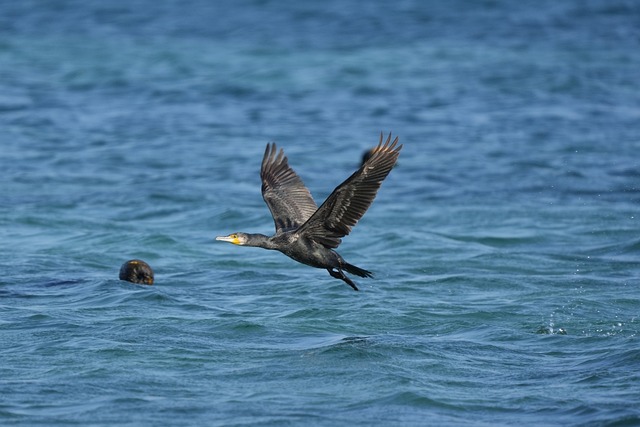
(505, 244)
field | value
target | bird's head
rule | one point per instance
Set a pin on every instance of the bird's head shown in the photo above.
(235, 238)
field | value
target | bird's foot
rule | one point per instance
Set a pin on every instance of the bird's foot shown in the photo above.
(340, 275)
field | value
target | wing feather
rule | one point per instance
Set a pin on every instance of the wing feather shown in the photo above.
(350, 200)
(283, 191)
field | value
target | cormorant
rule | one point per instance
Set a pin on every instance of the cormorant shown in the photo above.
(136, 271)
(309, 234)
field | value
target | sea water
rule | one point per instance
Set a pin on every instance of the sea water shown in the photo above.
(505, 244)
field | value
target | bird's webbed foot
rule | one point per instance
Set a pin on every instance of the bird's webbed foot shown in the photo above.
(338, 274)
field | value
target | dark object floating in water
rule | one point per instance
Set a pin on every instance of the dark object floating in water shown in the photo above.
(136, 271)
(367, 155)
(309, 234)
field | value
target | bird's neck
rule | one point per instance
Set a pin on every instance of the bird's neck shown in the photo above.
(260, 241)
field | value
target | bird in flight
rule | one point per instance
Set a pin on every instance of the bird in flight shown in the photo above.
(308, 233)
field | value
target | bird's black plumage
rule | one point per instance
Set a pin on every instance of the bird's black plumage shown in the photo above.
(309, 234)
(288, 199)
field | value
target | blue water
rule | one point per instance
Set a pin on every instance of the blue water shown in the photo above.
(505, 244)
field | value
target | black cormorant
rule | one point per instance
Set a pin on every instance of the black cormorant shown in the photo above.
(136, 271)
(309, 234)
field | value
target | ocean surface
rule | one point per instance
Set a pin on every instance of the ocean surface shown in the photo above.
(505, 244)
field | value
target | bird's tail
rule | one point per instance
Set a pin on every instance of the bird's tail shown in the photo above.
(356, 270)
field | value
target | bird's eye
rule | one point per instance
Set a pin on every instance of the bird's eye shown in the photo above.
(234, 236)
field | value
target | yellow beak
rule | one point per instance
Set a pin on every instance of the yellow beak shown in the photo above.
(229, 239)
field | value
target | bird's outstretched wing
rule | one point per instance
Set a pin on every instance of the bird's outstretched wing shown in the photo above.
(283, 191)
(351, 199)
